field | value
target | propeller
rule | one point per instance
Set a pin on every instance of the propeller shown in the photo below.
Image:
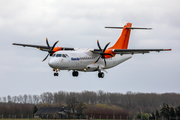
(102, 52)
(50, 51)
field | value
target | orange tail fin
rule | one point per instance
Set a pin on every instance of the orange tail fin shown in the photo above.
(122, 42)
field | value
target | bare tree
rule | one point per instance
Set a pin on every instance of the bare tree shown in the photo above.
(36, 99)
(4, 99)
(9, 98)
(47, 97)
(25, 98)
(50, 97)
(20, 99)
(60, 97)
(30, 99)
(14, 99)
(43, 97)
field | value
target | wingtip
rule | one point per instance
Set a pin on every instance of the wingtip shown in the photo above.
(167, 49)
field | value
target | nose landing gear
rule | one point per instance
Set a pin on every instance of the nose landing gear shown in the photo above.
(75, 73)
(101, 75)
(56, 74)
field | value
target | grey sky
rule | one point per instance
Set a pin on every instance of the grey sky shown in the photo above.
(79, 24)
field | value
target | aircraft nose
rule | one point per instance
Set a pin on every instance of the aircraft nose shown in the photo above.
(52, 63)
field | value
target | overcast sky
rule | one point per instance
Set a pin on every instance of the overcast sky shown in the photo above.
(79, 23)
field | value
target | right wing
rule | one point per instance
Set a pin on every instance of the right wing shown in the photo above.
(137, 51)
(131, 51)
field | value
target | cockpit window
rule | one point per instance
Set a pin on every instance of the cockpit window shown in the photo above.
(63, 55)
(66, 55)
(58, 55)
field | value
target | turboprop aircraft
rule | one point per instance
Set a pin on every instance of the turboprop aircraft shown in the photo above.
(89, 59)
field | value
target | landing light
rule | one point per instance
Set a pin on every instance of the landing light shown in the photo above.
(56, 69)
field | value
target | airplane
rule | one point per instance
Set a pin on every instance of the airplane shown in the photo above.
(89, 59)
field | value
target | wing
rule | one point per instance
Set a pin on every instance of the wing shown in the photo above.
(41, 47)
(137, 51)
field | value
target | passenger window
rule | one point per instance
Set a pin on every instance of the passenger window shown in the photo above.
(54, 55)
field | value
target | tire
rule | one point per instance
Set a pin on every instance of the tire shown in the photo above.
(101, 75)
(56, 74)
(75, 73)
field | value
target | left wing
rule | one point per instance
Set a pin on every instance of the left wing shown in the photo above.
(50, 49)
(137, 51)
(42, 47)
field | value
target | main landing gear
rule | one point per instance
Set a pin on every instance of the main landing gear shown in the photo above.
(75, 73)
(101, 75)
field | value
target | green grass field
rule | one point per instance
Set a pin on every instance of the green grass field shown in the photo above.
(41, 119)
(50, 119)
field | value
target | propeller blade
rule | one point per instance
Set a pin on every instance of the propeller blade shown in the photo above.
(102, 53)
(105, 62)
(47, 43)
(45, 58)
(54, 45)
(97, 60)
(50, 51)
(99, 45)
(106, 47)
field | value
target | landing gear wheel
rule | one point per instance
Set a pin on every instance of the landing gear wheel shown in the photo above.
(56, 74)
(101, 75)
(75, 73)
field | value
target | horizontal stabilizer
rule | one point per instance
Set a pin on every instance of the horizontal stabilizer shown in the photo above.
(129, 28)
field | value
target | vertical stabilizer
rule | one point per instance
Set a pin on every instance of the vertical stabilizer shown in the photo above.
(122, 42)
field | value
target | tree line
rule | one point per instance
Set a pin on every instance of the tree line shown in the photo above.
(131, 102)
(170, 113)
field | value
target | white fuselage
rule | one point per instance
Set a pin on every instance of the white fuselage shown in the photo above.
(83, 60)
